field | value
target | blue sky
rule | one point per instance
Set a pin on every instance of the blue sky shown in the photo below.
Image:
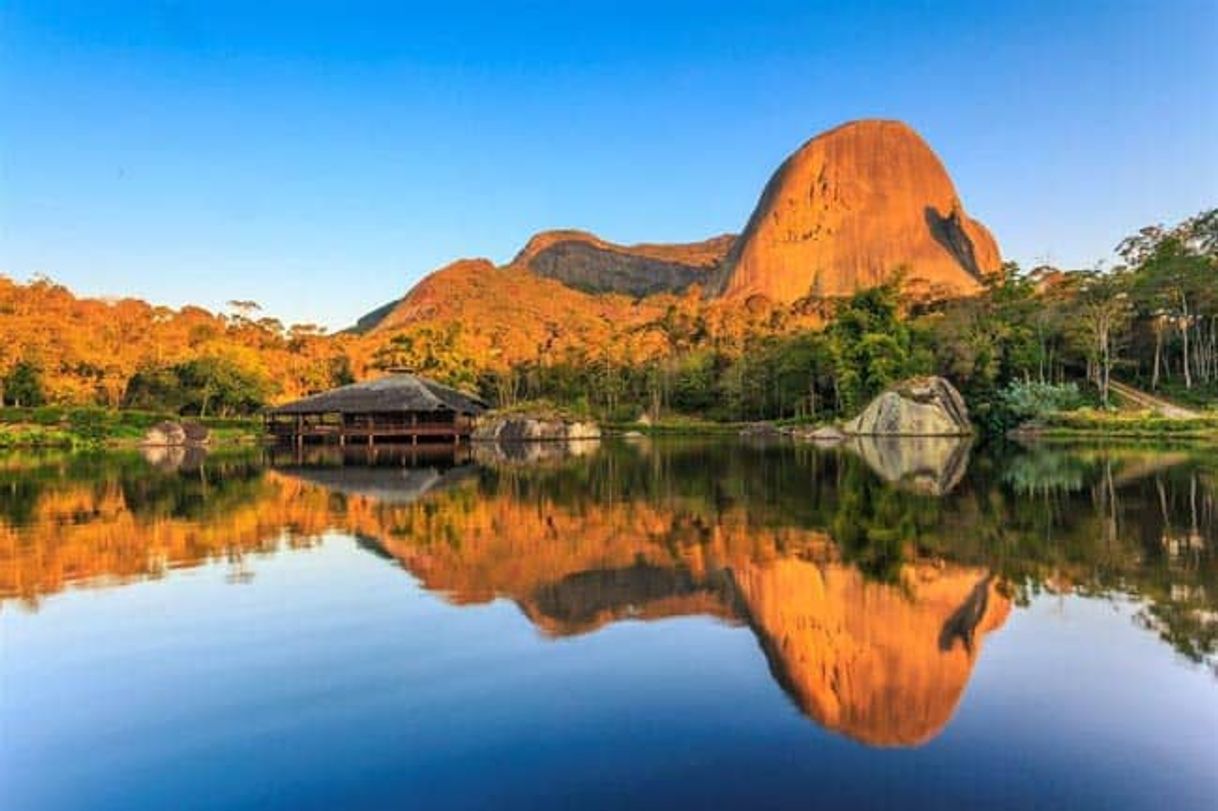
(319, 158)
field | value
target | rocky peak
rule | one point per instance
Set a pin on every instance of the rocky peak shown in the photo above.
(848, 209)
(586, 262)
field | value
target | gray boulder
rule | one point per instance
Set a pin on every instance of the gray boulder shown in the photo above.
(170, 434)
(519, 428)
(165, 435)
(920, 406)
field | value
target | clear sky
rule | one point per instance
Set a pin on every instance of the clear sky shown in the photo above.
(319, 158)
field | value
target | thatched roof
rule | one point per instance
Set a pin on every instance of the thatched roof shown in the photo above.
(396, 392)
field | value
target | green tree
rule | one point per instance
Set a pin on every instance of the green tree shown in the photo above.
(23, 385)
(1174, 287)
(1103, 310)
(218, 385)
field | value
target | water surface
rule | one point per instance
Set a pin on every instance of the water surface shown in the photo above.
(635, 624)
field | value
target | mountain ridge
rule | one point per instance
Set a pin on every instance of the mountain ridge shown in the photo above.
(849, 209)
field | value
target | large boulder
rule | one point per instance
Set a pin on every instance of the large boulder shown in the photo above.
(523, 428)
(165, 434)
(495, 454)
(170, 434)
(920, 406)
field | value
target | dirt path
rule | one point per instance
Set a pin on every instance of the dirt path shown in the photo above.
(1150, 402)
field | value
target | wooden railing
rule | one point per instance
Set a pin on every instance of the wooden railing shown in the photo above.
(344, 432)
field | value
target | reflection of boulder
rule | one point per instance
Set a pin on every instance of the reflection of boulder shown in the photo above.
(171, 458)
(931, 465)
(883, 664)
(522, 428)
(920, 406)
(504, 452)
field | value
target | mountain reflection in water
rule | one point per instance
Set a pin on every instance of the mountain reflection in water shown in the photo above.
(870, 574)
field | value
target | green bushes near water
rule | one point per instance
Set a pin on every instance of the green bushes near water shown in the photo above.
(1141, 424)
(82, 428)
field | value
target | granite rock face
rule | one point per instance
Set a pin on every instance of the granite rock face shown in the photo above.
(588, 263)
(920, 406)
(850, 208)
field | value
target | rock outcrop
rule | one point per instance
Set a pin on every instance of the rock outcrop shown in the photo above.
(920, 406)
(522, 428)
(508, 453)
(843, 213)
(850, 208)
(586, 262)
(170, 434)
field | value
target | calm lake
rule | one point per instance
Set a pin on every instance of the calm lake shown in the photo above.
(632, 624)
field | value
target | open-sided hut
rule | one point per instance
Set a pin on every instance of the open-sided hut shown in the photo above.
(395, 408)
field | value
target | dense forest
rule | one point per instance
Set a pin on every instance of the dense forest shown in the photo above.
(1032, 340)
(56, 348)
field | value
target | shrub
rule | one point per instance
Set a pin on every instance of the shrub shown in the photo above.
(1035, 401)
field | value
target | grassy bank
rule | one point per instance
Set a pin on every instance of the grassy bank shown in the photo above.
(1086, 422)
(84, 428)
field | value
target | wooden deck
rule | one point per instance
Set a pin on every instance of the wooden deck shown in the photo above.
(343, 431)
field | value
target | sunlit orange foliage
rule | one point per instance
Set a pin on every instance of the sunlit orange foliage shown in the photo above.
(89, 349)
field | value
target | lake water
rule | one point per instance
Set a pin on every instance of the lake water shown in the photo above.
(635, 624)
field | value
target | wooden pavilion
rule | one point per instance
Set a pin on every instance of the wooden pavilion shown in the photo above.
(402, 408)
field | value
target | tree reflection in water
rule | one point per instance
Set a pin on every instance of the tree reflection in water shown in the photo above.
(869, 574)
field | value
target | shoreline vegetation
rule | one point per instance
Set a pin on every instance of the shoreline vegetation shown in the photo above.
(1092, 423)
(87, 429)
(84, 429)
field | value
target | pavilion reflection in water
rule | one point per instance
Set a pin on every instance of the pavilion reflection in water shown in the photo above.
(881, 654)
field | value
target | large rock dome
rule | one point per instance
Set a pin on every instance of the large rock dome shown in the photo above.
(847, 210)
